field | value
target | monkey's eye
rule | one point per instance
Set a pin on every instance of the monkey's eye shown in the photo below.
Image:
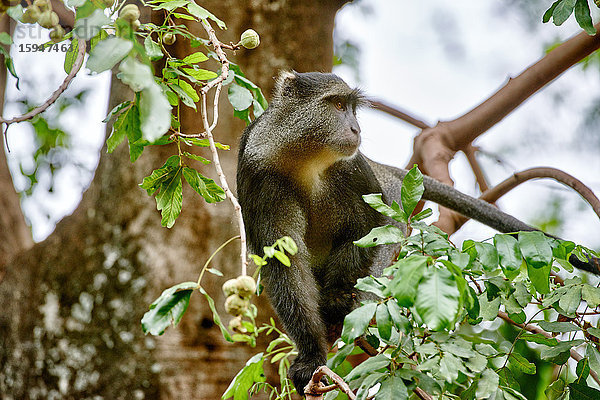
(340, 105)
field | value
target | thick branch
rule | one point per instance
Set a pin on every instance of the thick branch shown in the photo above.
(534, 329)
(493, 194)
(315, 388)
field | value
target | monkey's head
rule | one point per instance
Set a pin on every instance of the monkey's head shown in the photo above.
(320, 112)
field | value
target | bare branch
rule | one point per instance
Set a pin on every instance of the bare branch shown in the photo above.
(208, 128)
(395, 112)
(477, 171)
(315, 388)
(76, 66)
(534, 329)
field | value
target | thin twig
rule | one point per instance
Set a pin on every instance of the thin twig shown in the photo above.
(534, 329)
(76, 66)
(477, 171)
(315, 388)
(218, 83)
(395, 112)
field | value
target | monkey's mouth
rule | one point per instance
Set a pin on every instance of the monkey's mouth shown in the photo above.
(348, 144)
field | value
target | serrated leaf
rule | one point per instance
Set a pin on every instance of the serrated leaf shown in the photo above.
(519, 362)
(205, 187)
(107, 53)
(168, 308)
(438, 299)
(535, 249)
(412, 190)
(357, 321)
(388, 234)
(408, 273)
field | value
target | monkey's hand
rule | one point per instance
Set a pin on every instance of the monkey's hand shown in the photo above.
(302, 370)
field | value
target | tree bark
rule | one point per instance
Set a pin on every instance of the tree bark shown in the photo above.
(72, 304)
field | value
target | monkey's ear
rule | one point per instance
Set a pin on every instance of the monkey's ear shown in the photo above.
(285, 84)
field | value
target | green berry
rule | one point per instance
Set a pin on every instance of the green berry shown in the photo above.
(48, 19)
(130, 13)
(230, 287)
(43, 5)
(169, 39)
(57, 34)
(246, 286)
(250, 39)
(235, 305)
(31, 15)
(135, 25)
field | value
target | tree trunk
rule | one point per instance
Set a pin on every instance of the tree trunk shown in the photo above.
(72, 304)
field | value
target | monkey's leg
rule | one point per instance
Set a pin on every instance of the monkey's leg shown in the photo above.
(294, 295)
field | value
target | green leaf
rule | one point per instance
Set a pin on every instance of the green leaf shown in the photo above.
(583, 370)
(200, 74)
(388, 234)
(384, 322)
(561, 327)
(136, 75)
(118, 108)
(5, 39)
(560, 353)
(88, 27)
(594, 356)
(581, 391)
(591, 295)
(488, 309)
(509, 252)
(538, 338)
(357, 321)
(216, 317)
(169, 198)
(412, 190)
(340, 356)
(571, 300)
(155, 113)
(195, 58)
(202, 13)
(400, 321)
(562, 11)
(126, 124)
(152, 48)
(252, 372)
(171, 5)
(108, 53)
(168, 308)
(519, 362)
(487, 255)
(196, 157)
(239, 97)
(555, 390)
(370, 284)
(535, 249)
(392, 388)
(376, 202)
(540, 278)
(371, 365)
(71, 55)
(583, 17)
(437, 299)
(550, 11)
(407, 276)
(185, 97)
(488, 384)
(204, 186)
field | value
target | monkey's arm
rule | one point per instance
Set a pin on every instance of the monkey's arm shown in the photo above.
(390, 179)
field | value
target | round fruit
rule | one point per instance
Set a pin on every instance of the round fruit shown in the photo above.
(230, 287)
(31, 15)
(236, 325)
(169, 38)
(235, 305)
(43, 5)
(135, 25)
(57, 34)
(48, 19)
(246, 286)
(130, 13)
(250, 39)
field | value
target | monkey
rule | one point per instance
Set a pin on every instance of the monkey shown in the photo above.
(301, 174)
